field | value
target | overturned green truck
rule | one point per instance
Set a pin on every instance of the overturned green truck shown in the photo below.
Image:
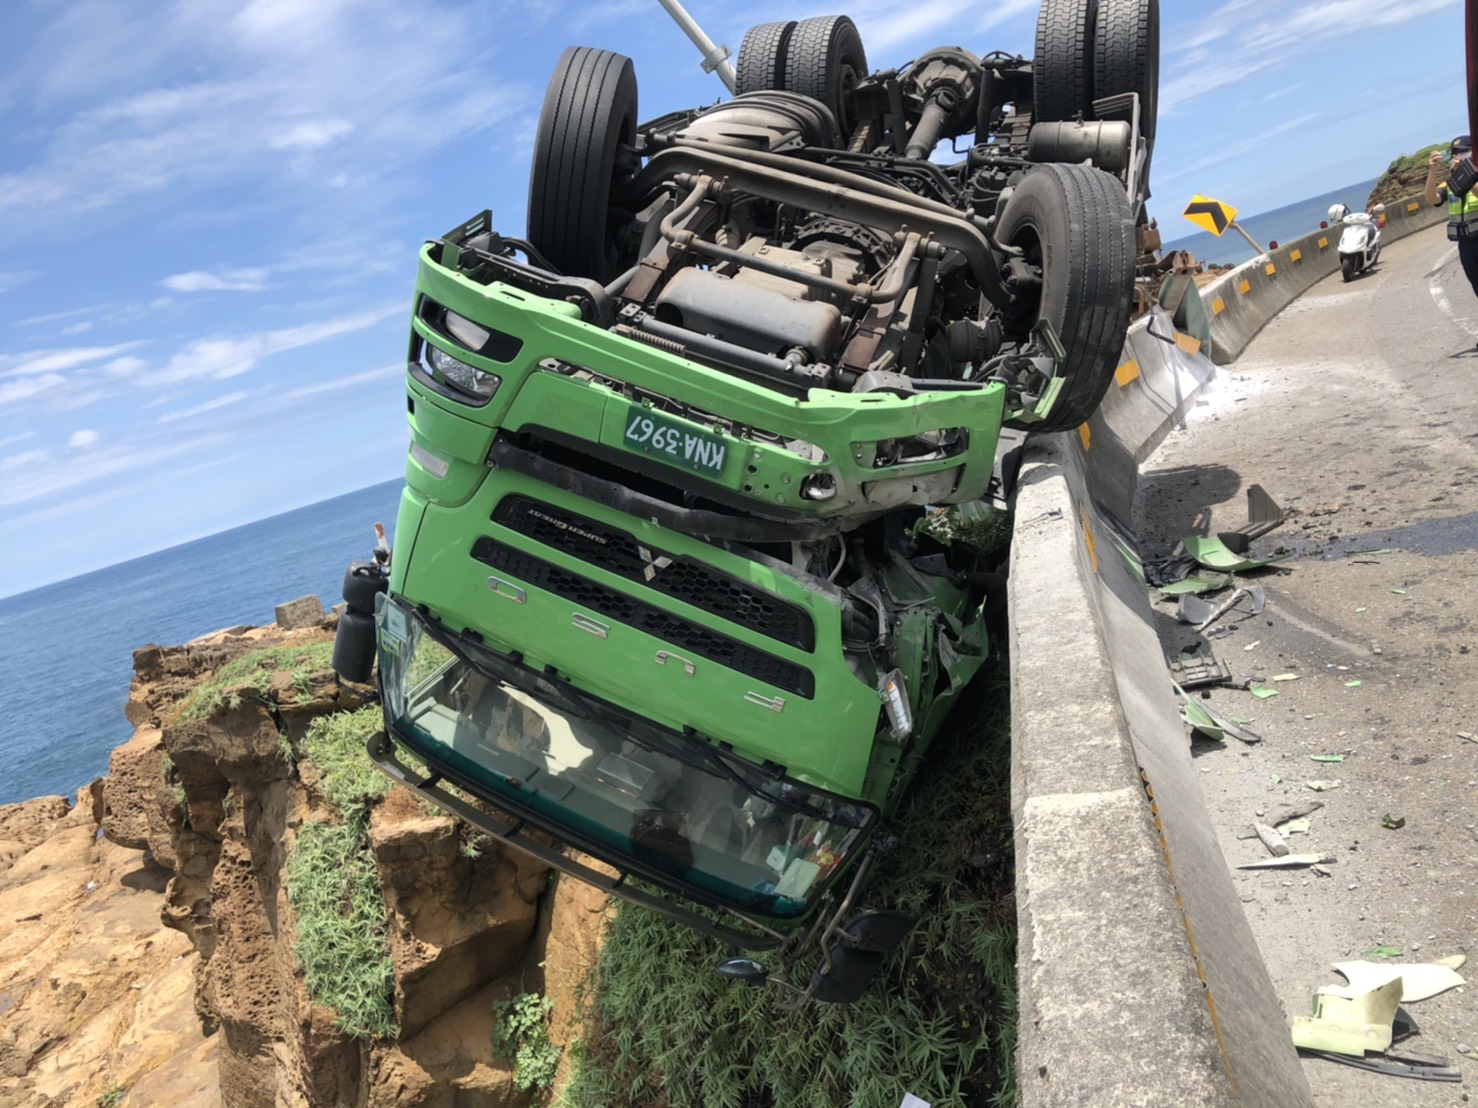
(660, 590)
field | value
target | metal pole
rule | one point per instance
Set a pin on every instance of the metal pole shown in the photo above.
(1243, 232)
(715, 58)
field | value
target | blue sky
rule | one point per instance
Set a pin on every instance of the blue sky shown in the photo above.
(209, 211)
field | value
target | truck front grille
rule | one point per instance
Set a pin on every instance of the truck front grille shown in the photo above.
(686, 636)
(685, 579)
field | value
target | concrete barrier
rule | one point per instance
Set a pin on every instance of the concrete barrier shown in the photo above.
(1141, 981)
(1243, 301)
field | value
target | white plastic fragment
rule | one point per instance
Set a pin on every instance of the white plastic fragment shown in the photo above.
(1420, 980)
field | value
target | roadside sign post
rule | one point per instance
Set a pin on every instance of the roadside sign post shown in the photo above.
(1216, 217)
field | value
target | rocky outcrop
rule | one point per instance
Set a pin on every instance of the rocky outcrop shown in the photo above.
(146, 937)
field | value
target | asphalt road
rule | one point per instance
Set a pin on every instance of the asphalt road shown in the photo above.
(1357, 409)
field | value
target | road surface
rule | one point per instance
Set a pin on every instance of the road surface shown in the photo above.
(1357, 409)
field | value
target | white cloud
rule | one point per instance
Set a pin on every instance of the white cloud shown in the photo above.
(125, 366)
(60, 474)
(222, 358)
(26, 387)
(83, 438)
(201, 409)
(285, 78)
(311, 134)
(11, 440)
(228, 280)
(78, 328)
(1257, 36)
(57, 361)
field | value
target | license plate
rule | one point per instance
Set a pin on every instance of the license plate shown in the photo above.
(700, 451)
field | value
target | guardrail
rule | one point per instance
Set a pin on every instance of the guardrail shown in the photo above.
(1242, 302)
(1140, 979)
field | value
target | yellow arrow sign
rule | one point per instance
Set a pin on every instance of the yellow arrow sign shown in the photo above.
(1210, 215)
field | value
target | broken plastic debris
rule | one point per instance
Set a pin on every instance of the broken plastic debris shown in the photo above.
(1253, 645)
(1211, 722)
(1353, 684)
(1322, 786)
(1295, 826)
(1362, 609)
(1419, 980)
(1271, 839)
(1198, 583)
(1326, 757)
(1277, 780)
(1383, 952)
(1214, 554)
(1392, 823)
(911, 1101)
(1350, 1024)
(1285, 677)
(1264, 694)
(1290, 861)
(1399, 592)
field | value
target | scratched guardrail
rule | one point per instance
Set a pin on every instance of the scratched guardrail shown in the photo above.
(1140, 979)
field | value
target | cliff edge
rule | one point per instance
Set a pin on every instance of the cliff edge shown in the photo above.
(156, 929)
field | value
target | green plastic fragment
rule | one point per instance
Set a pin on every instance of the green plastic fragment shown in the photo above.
(1212, 553)
(1326, 757)
(1362, 609)
(1391, 823)
(1277, 780)
(1201, 721)
(1353, 684)
(1383, 952)
(1198, 583)
(1264, 694)
(1399, 592)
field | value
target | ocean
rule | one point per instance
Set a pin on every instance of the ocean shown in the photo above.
(1280, 225)
(66, 649)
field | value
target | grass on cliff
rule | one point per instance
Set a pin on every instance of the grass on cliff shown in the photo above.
(335, 745)
(661, 1028)
(334, 887)
(255, 671)
(341, 943)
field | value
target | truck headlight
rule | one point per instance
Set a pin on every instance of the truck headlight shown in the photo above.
(460, 375)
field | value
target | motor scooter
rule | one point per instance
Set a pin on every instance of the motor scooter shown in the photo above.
(1359, 241)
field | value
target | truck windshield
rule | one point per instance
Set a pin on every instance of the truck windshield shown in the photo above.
(630, 791)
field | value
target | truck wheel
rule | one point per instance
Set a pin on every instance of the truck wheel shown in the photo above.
(761, 65)
(589, 114)
(1062, 71)
(1126, 55)
(1074, 224)
(824, 61)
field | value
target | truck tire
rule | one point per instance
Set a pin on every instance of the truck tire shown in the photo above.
(1062, 70)
(761, 64)
(589, 114)
(1126, 55)
(825, 60)
(1075, 223)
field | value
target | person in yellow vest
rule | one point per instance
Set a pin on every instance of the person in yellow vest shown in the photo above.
(1462, 211)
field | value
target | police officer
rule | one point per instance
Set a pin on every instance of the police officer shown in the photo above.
(1462, 211)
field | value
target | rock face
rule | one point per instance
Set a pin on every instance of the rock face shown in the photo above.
(146, 937)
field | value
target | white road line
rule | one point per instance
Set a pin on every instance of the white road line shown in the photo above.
(1465, 322)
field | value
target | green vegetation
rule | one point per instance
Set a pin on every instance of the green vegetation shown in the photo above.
(255, 671)
(521, 1035)
(171, 778)
(112, 1097)
(334, 886)
(939, 1021)
(335, 744)
(341, 943)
